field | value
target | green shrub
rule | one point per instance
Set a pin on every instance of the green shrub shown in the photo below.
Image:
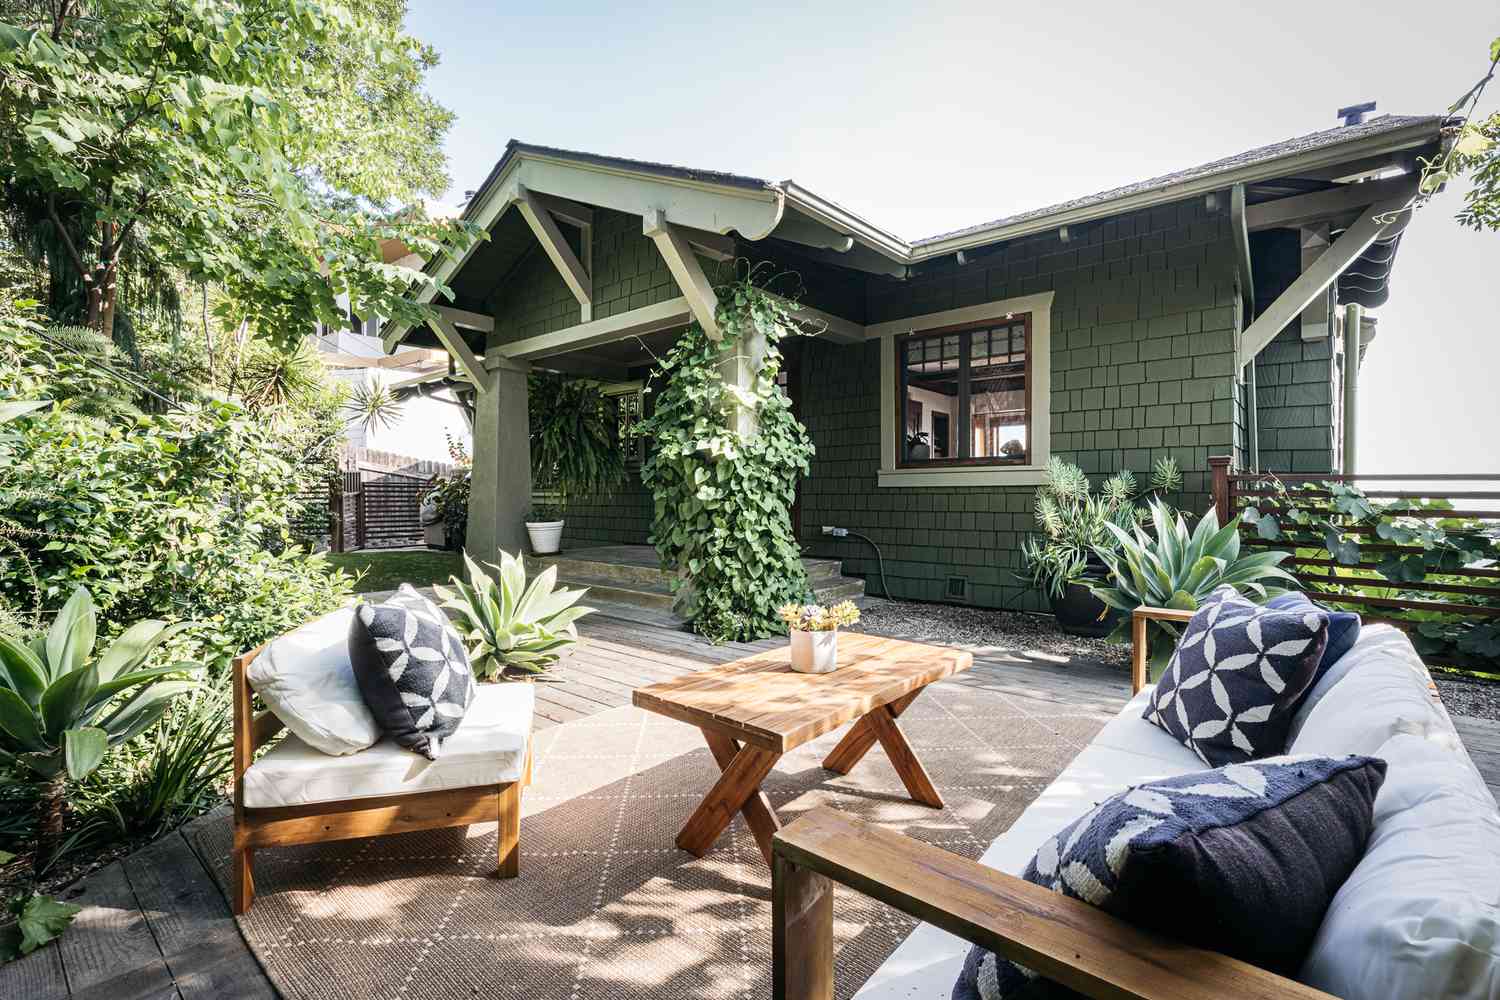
(181, 516)
(721, 521)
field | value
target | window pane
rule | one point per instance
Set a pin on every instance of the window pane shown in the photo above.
(931, 402)
(997, 410)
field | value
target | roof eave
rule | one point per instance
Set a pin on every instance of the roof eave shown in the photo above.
(843, 221)
(1396, 140)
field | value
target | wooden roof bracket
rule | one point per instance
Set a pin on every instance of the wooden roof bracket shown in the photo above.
(544, 226)
(1379, 220)
(678, 254)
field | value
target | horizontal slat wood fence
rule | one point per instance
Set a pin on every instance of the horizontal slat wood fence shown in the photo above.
(1467, 593)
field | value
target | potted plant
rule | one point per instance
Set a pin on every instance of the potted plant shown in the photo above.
(575, 450)
(917, 448)
(1064, 559)
(544, 525)
(815, 634)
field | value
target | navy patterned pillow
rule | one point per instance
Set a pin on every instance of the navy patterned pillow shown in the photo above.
(1242, 860)
(412, 670)
(1234, 681)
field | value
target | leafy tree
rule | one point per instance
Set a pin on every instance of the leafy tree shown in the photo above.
(268, 147)
(1474, 150)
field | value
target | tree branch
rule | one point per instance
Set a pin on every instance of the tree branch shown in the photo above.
(67, 237)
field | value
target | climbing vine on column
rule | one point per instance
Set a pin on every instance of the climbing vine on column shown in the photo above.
(722, 520)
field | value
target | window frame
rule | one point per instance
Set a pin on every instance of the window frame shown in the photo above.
(963, 417)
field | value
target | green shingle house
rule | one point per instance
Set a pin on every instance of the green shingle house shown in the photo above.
(1200, 315)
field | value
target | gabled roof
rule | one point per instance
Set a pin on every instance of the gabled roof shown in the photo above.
(756, 208)
(1386, 133)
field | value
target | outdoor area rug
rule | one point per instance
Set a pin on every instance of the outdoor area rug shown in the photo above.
(606, 905)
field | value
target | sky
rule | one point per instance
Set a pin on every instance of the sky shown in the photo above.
(929, 117)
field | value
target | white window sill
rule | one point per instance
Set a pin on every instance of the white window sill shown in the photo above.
(1009, 475)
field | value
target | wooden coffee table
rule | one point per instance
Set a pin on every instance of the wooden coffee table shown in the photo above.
(754, 710)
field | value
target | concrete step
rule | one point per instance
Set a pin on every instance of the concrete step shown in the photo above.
(588, 565)
(843, 588)
(656, 594)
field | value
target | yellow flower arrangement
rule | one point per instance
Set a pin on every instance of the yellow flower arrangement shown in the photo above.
(816, 618)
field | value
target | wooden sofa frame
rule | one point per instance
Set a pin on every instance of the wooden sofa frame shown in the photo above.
(320, 822)
(1062, 938)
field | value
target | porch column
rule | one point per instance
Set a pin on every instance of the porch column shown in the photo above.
(500, 491)
(740, 363)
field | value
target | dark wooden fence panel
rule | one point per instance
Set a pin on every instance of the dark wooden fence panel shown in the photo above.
(1464, 596)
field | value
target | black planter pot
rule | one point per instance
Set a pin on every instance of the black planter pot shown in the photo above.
(1080, 613)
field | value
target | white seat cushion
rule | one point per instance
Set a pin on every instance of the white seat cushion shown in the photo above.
(1128, 751)
(489, 748)
(1383, 691)
(307, 682)
(1419, 918)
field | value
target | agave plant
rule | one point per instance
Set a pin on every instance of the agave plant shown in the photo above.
(508, 626)
(62, 707)
(1178, 569)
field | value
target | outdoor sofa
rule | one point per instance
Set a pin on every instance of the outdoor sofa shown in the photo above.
(1419, 918)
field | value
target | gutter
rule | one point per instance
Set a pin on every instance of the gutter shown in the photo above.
(1409, 137)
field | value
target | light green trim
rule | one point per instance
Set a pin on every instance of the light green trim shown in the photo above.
(1040, 308)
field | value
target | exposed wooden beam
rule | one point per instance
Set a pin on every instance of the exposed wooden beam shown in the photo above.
(454, 343)
(637, 322)
(816, 322)
(544, 226)
(801, 229)
(686, 271)
(1378, 220)
(467, 320)
(565, 210)
(1290, 213)
(711, 245)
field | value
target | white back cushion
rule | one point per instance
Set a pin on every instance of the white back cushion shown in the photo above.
(1376, 690)
(1419, 919)
(306, 680)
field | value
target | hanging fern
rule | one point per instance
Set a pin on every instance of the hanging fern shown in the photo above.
(722, 521)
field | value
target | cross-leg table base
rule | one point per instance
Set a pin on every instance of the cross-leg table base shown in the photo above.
(743, 768)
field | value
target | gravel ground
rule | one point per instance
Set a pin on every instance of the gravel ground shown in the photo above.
(1469, 696)
(1010, 630)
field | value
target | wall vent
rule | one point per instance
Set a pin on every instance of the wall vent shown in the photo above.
(956, 588)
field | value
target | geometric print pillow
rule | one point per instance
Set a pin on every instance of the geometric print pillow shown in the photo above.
(1242, 860)
(412, 670)
(1231, 689)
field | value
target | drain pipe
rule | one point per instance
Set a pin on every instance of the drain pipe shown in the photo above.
(879, 559)
(1353, 321)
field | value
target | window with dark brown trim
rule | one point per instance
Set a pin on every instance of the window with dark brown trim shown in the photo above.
(964, 394)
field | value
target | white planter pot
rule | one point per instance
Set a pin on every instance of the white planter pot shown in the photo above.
(815, 652)
(546, 536)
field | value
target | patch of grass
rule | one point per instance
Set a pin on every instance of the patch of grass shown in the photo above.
(389, 570)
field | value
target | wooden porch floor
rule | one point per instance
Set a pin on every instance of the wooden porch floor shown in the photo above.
(156, 924)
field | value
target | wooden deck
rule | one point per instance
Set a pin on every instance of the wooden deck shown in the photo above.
(156, 924)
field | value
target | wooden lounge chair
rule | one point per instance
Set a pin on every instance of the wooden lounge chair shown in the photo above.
(371, 815)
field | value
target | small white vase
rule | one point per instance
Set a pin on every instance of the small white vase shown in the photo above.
(815, 652)
(546, 536)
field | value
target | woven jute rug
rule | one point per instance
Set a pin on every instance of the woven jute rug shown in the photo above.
(606, 905)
